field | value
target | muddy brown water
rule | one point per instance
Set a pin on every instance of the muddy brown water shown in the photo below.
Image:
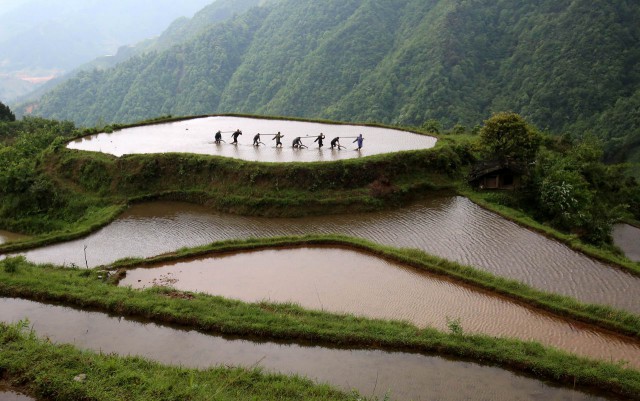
(9, 394)
(6, 236)
(406, 376)
(197, 136)
(451, 227)
(627, 238)
(345, 281)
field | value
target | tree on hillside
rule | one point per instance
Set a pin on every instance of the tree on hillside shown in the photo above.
(506, 136)
(6, 114)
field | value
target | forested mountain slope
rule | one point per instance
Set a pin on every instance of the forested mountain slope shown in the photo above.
(180, 31)
(566, 65)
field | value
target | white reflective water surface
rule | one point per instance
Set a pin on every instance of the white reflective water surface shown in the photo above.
(197, 136)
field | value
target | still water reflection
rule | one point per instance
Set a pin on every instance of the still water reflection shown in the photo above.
(197, 136)
(345, 281)
(8, 394)
(406, 376)
(627, 238)
(451, 227)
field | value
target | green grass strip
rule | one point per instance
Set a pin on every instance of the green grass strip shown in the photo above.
(599, 315)
(88, 289)
(572, 241)
(92, 221)
(47, 371)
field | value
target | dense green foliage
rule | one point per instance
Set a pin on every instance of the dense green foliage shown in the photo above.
(46, 187)
(89, 289)
(566, 66)
(31, 201)
(6, 115)
(564, 183)
(508, 137)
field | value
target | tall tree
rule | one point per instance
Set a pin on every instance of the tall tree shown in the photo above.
(5, 113)
(508, 137)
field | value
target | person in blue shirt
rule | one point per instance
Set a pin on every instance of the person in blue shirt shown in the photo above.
(359, 139)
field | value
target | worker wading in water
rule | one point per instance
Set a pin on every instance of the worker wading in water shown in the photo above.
(297, 143)
(319, 139)
(277, 137)
(235, 136)
(359, 139)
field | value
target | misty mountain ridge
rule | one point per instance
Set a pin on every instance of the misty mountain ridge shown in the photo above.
(43, 38)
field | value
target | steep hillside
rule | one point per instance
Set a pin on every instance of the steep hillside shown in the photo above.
(43, 38)
(567, 65)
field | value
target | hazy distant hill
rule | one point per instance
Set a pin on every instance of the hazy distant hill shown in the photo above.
(566, 65)
(44, 37)
(180, 30)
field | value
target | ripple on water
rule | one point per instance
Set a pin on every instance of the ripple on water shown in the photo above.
(627, 238)
(406, 376)
(345, 281)
(452, 227)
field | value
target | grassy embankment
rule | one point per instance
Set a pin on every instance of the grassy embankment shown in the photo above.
(273, 189)
(603, 254)
(89, 289)
(47, 371)
(236, 186)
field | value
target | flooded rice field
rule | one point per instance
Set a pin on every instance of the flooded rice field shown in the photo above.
(345, 281)
(451, 227)
(6, 236)
(197, 136)
(9, 394)
(372, 372)
(627, 238)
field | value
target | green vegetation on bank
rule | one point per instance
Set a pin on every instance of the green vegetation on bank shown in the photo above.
(47, 371)
(599, 315)
(91, 289)
(66, 193)
(561, 182)
(603, 252)
(62, 194)
(398, 62)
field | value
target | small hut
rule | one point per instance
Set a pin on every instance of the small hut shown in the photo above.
(495, 174)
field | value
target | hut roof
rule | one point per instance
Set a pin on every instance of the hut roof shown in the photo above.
(485, 167)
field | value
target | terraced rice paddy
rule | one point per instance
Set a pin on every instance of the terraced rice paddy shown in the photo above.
(405, 376)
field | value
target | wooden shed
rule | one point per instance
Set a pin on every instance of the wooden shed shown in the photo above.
(495, 174)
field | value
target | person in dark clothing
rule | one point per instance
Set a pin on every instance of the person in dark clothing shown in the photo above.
(218, 137)
(235, 136)
(256, 140)
(297, 143)
(277, 137)
(359, 139)
(335, 142)
(319, 139)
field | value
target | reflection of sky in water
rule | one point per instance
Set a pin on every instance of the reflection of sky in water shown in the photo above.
(197, 136)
